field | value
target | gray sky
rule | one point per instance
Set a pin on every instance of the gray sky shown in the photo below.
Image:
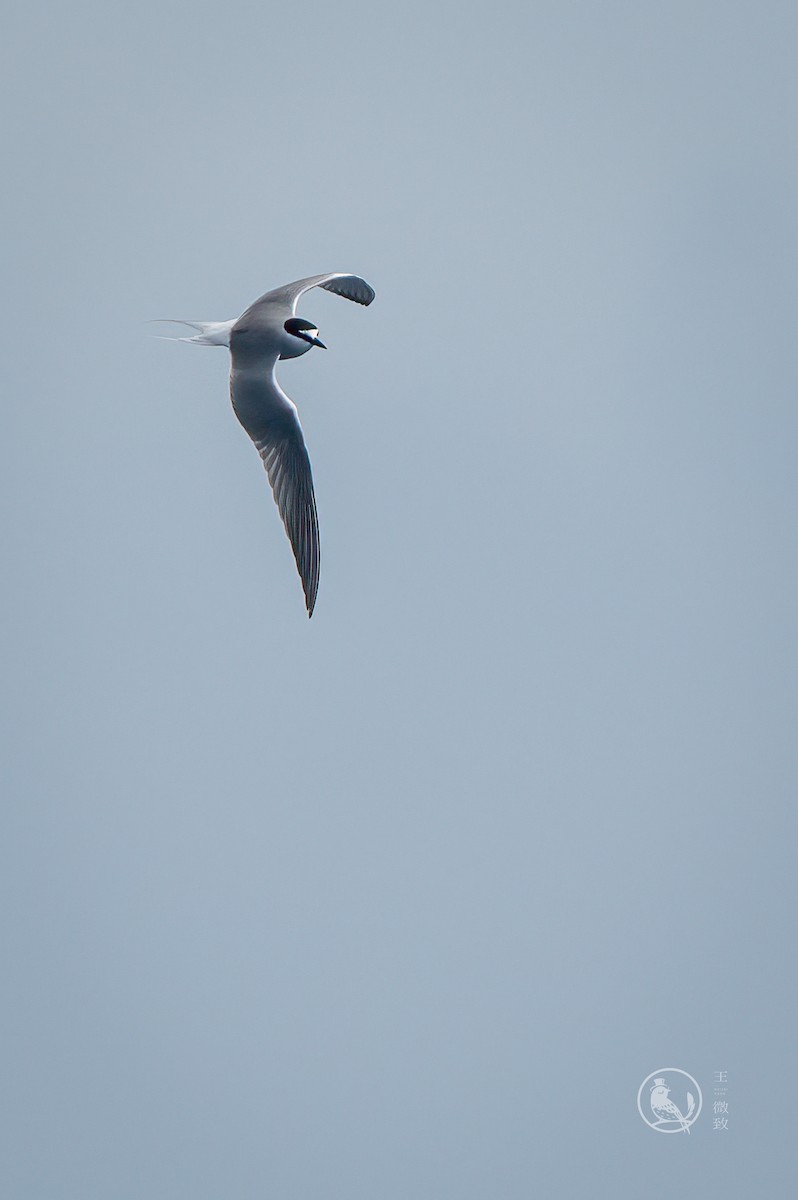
(408, 900)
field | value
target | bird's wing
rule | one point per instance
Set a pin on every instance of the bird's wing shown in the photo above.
(351, 287)
(271, 421)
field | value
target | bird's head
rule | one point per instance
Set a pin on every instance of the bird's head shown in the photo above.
(302, 335)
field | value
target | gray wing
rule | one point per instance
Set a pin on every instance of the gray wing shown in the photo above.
(351, 287)
(271, 421)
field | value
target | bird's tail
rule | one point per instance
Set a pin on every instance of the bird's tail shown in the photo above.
(690, 1108)
(209, 333)
(684, 1121)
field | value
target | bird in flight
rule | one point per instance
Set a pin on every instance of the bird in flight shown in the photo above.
(270, 330)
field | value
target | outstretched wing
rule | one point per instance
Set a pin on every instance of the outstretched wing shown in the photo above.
(351, 287)
(271, 421)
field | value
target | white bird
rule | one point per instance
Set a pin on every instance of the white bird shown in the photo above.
(665, 1110)
(270, 330)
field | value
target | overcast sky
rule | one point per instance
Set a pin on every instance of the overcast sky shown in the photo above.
(405, 902)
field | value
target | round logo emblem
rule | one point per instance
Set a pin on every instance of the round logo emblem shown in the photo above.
(669, 1100)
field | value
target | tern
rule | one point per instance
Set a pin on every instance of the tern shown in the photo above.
(268, 331)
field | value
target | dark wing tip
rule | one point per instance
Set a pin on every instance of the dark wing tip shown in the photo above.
(368, 294)
(351, 287)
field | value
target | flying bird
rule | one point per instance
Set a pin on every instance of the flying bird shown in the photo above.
(268, 331)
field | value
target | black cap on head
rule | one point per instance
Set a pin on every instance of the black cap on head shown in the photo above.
(305, 330)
